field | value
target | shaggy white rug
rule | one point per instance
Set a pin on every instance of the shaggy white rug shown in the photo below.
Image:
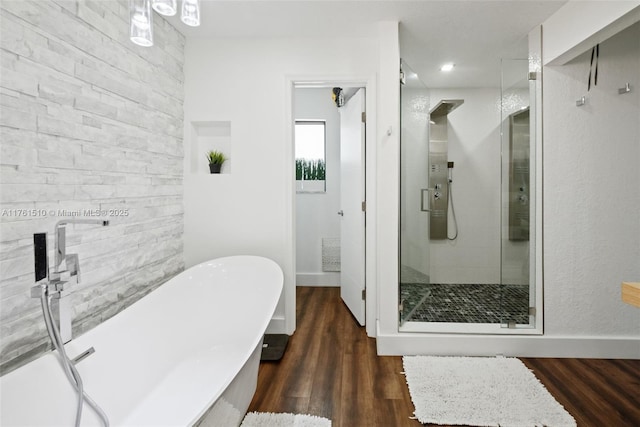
(480, 391)
(268, 419)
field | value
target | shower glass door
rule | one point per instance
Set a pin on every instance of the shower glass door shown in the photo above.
(414, 260)
(468, 186)
(517, 294)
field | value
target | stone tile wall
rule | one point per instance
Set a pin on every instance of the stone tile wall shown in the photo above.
(91, 126)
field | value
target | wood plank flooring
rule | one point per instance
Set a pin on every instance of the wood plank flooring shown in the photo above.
(331, 369)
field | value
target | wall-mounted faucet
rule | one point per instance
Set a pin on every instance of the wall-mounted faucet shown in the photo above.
(72, 264)
(66, 272)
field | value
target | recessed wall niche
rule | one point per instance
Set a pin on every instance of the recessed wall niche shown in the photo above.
(210, 135)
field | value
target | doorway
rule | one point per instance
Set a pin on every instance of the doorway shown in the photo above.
(329, 143)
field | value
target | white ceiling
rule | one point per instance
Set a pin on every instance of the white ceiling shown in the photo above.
(473, 34)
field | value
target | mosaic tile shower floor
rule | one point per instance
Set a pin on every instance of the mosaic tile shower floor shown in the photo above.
(464, 303)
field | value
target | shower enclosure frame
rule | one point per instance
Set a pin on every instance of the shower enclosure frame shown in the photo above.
(535, 326)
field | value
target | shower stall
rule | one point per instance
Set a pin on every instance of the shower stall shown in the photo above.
(467, 265)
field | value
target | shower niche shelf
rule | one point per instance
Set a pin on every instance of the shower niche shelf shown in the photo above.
(209, 135)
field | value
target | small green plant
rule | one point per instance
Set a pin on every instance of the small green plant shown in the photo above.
(320, 170)
(215, 157)
(299, 169)
(310, 170)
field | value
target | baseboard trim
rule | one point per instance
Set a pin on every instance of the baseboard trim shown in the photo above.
(277, 325)
(326, 279)
(509, 345)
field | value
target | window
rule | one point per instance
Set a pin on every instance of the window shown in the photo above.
(310, 155)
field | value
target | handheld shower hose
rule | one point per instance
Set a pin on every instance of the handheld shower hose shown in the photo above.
(67, 365)
(453, 210)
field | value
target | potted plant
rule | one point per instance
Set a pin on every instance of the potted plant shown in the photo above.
(216, 159)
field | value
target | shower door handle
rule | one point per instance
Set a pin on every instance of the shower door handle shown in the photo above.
(422, 208)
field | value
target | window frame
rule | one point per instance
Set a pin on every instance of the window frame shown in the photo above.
(316, 185)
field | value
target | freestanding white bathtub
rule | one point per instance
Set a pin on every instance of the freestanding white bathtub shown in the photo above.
(186, 354)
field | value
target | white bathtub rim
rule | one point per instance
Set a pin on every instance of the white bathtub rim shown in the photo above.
(260, 336)
(229, 378)
(80, 343)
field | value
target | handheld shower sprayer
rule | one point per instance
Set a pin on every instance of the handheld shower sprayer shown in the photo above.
(453, 211)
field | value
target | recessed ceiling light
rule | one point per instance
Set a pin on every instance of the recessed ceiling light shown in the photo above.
(447, 67)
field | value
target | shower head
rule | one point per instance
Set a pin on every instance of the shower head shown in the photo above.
(445, 106)
(450, 172)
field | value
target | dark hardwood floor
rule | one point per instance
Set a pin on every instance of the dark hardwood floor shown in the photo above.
(331, 369)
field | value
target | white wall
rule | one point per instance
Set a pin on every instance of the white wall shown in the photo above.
(579, 25)
(89, 121)
(388, 180)
(592, 192)
(474, 147)
(316, 213)
(244, 81)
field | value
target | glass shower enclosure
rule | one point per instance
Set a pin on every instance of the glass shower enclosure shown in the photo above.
(467, 205)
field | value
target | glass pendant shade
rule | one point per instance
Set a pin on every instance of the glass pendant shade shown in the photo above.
(165, 7)
(191, 12)
(141, 20)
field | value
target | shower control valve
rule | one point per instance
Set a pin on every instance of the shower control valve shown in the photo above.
(437, 195)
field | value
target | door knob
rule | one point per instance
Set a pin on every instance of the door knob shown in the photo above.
(341, 213)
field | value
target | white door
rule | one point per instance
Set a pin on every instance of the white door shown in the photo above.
(352, 197)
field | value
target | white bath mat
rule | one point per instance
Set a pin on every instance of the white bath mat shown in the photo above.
(480, 391)
(268, 419)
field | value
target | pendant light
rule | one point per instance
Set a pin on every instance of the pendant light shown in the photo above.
(165, 7)
(141, 17)
(190, 12)
(141, 21)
